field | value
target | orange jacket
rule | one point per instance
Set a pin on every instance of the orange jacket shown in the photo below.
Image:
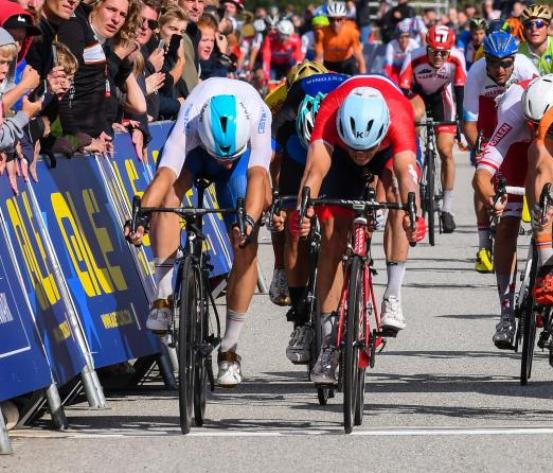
(337, 47)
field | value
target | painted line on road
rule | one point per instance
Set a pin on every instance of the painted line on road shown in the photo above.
(383, 432)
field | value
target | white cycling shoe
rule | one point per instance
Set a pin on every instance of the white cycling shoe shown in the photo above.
(160, 316)
(230, 369)
(391, 314)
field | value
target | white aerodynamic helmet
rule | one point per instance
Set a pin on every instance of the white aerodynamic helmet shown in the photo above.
(363, 118)
(285, 27)
(224, 127)
(259, 25)
(336, 9)
(538, 97)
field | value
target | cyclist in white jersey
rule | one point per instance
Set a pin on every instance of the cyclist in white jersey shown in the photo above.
(486, 81)
(398, 48)
(223, 133)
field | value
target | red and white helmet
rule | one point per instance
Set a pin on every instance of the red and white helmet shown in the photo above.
(440, 37)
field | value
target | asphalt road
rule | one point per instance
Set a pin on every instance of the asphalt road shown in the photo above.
(441, 397)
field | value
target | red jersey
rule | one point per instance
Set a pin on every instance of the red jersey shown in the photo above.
(281, 53)
(401, 134)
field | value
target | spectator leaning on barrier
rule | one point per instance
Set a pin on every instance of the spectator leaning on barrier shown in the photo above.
(84, 109)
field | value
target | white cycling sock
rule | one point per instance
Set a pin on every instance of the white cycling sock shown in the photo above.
(329, 325)
(545, 249)
(484, 240)
(396, 273)
(506, 291)
(235, 322)
(448, 202)
(163, 275)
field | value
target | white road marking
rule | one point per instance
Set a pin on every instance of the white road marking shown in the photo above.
(383, 432)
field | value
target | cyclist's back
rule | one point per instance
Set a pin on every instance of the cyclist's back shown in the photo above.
(337, 48)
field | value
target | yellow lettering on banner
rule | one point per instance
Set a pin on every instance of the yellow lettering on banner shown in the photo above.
(92, 278)
(155, 155)
(62, 332)
(43, 282)
(119, 178)
(147, 266)
(102, 236)
(117, 319)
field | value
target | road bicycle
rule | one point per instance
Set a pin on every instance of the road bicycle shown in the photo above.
(531, 315)
(195, 329)
(357, 339)
(430, 185)
(309, 297)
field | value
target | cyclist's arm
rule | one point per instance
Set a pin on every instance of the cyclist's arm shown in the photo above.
(483, 185)
(470, 130)
(405, 168)
(319, 47)
(360, 58)
(266, 56)
(459, 92)
(256, 192)
(316, 168)
(406, 76)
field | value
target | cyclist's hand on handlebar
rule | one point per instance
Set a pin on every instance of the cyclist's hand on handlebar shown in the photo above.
(134, 237)
(496, 207)
(242, 238)
(300, 229)
(418, 233)
(279, 220)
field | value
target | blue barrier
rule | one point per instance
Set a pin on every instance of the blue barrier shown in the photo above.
(23, 363)
(43, 292)
(95, 260)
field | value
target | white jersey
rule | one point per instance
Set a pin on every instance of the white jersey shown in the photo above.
(481, 91)
(184, 137)
(511, 128)
(395, 56)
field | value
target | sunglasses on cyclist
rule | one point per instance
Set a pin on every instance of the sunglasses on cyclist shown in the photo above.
(337, 20)
(152, 24)
(438, 52)
(538, 24)
(503, 64)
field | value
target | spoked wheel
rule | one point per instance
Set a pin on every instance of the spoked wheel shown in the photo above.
(528, 328)
(430, 202)
(201, 372)
(351, 377)
(188, 314)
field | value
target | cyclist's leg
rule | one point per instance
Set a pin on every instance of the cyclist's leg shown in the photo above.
(419, 108)
(165, 237)
(540, 172)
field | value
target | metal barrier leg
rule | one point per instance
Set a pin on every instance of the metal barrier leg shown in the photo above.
(166, 369)
(93, 389)
(261, 280)
(5, 445)
(56, 408)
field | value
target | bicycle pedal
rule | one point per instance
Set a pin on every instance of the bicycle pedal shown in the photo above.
(388, 333)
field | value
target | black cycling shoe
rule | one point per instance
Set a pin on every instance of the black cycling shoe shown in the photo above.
(448, 224)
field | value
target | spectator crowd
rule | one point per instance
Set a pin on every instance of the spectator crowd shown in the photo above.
(72, 73)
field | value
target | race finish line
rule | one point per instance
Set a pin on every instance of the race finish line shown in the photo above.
(383, 432)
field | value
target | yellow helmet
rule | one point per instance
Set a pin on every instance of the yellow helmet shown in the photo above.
(536, 11)
(303, 70)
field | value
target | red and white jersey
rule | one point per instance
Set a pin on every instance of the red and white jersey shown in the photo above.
(481, 92)
(395, 56)
(401, 134)
(511, 128)
(281, 53)
(417, 73)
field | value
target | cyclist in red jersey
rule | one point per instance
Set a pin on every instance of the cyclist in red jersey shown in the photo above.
(434, 77)
(365, 125)
(281, 50)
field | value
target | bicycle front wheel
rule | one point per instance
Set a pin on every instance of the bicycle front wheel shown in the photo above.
(188, 316)
(352, 377)
(528, 322)
(430, 201)
(201, 371)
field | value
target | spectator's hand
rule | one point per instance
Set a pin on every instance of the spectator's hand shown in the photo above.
(137, 138)
(3, 163)
(157, 58)
(31, 108)
(154, 82)
(122, 50)
(222, 42)
(181, 100)
(30, 78)
(96, 146)
(278, 221)
(57, 80)
(119, 127)
(23, 164)
(13, 172)
(32, 165)
(108, 140)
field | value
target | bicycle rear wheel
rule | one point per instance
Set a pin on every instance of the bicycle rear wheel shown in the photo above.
(528, 322)
(200, 373)
(350, 349)
(188, 315)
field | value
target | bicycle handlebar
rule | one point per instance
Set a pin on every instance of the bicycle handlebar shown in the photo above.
(430, 122)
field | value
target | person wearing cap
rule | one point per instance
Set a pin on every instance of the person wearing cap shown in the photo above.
(233, 7)
(538, 45)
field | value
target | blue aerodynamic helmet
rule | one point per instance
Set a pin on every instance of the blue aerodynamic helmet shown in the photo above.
(363, 119)
(500, 44)
(224, 127)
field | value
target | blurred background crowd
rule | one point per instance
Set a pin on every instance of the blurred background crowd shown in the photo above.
(72, 73)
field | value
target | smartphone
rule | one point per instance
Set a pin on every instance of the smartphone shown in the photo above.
(161, 44)
(174, 46)
(55, 54)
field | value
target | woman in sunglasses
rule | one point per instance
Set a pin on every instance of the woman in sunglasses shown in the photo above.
(538, 46)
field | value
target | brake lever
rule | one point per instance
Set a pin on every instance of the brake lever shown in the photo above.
(412, 212)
